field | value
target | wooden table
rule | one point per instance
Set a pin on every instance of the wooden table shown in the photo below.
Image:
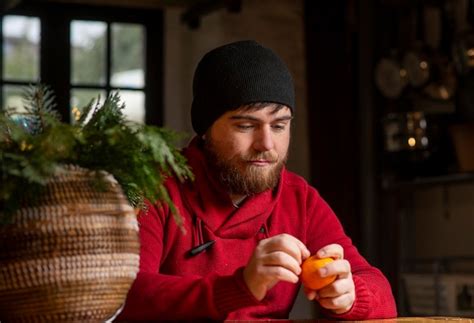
(434, 319)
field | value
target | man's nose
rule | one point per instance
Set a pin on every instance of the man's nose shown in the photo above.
(264, 140)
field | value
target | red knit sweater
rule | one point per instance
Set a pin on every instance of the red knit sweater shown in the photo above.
(173, 285)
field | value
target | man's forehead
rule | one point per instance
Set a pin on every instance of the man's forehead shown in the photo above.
(268, 110)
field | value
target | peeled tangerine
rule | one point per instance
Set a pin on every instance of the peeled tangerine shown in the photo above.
(310, 273)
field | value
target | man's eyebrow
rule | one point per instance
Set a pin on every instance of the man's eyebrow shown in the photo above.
(252, 118)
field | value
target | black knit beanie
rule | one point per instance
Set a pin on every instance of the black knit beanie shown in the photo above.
(237, 74)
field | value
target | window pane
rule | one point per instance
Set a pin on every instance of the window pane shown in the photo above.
(88, 50)
(81, 98)
(12, 97)
(134, 105)
(21, 48)
(127, 55)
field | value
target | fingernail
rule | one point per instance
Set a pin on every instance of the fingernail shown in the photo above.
(322, 253)
(323, 272)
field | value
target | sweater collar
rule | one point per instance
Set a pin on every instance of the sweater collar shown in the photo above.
(209, 200)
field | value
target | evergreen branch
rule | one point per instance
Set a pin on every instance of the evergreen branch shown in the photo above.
(86, 111)
(34, 143)
(39, 105)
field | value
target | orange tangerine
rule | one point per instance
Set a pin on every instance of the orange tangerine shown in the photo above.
(310, 272)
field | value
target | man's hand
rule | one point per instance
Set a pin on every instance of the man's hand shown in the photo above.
(340, 294)
(274, 259)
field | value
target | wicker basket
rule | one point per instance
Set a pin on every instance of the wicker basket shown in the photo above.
(71, 256)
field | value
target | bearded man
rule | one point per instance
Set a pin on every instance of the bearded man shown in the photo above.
(250, 222)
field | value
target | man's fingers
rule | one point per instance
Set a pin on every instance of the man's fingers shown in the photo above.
(338, 296)
(289, 244)
(341, 303)
(281, 274)
(305, 253)
(310, 293)
(281, 258)
(333, 250)
(338, 287)
(274, 259)
(340, 268)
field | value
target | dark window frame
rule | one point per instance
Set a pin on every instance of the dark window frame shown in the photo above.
(55, 57)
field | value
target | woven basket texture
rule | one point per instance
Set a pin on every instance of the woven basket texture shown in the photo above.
(73, 255)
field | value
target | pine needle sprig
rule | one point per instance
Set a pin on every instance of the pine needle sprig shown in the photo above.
(39, 104)
(106, 115)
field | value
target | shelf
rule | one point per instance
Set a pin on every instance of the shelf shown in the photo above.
(421, 182)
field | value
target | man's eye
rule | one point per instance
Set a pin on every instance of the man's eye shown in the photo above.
(279, 127)
(244, 126)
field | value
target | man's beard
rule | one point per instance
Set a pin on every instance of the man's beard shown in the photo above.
(242, 178)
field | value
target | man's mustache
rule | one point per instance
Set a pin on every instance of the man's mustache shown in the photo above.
(267, 156)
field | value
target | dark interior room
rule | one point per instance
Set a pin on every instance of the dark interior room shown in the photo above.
(384, 121)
